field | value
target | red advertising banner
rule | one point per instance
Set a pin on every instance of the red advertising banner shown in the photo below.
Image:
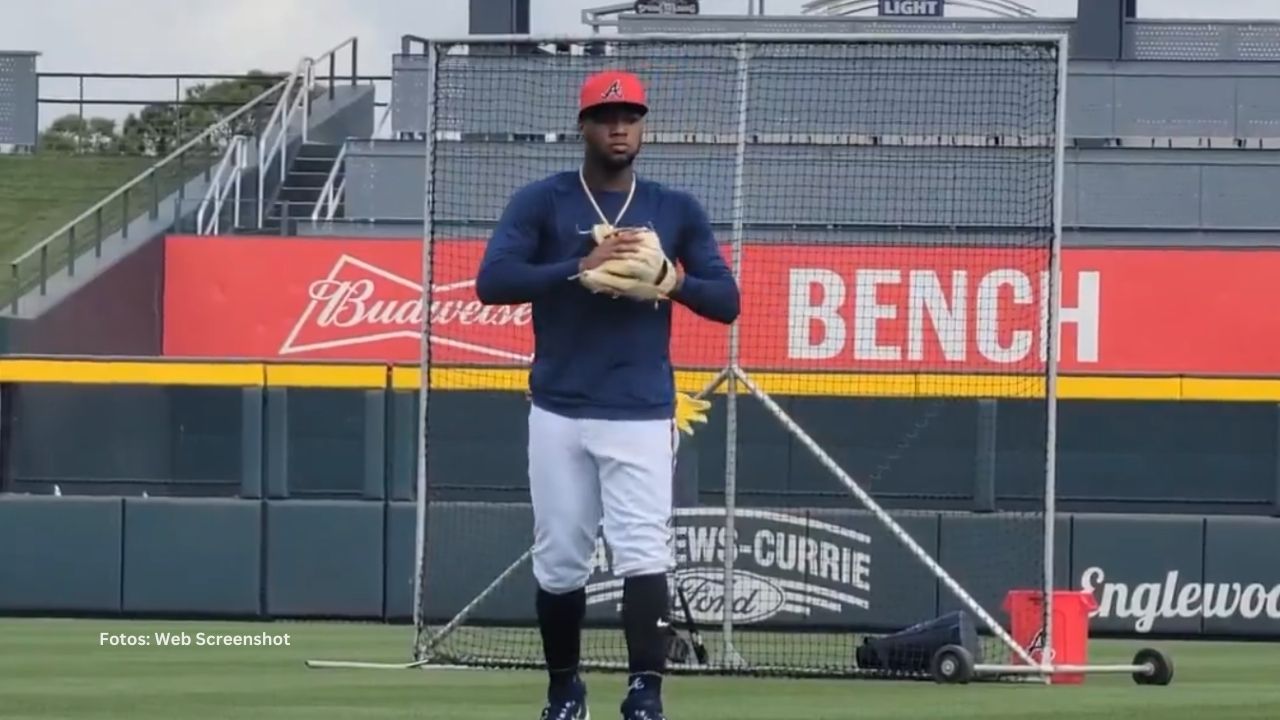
(815, 308)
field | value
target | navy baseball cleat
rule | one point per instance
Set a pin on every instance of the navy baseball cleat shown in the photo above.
(640, 706)
(571, 705)
(642, 703)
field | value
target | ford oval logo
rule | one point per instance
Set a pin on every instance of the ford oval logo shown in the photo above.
(756, 597)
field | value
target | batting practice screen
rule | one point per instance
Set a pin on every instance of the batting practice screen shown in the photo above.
(891, 209)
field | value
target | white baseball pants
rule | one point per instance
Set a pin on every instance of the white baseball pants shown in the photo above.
(583, 472)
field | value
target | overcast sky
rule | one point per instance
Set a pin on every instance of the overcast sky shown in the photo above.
(233, 36)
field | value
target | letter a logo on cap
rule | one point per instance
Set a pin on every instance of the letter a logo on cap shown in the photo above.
(612, 86)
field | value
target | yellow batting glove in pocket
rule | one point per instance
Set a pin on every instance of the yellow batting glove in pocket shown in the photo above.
(690, 410)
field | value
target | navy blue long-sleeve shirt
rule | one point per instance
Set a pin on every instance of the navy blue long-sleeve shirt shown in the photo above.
(596, 356)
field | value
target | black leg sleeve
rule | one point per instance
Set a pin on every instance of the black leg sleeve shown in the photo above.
(560, 620)
(645, 602)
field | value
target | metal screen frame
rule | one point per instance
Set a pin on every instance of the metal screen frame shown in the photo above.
(733, 374)
(424, 379)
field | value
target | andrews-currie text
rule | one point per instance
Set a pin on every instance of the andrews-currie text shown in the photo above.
(786, 568)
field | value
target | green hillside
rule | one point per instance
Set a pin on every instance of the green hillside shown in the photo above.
(41, 193)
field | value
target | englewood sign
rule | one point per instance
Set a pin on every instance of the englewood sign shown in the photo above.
(786, 568)
(1171, 598)
(805, 308)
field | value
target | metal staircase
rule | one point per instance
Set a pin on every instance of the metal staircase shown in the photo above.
(315, 167)
(290, 166)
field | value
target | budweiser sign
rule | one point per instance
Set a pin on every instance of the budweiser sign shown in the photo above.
(817, 308)
(360, 303)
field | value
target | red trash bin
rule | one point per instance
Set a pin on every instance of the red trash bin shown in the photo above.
(1071, 611)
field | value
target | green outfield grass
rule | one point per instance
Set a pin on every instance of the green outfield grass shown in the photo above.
(58, 669)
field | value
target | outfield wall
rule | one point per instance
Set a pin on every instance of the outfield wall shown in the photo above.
(277, 431)
(289, 494)
(1152, 575)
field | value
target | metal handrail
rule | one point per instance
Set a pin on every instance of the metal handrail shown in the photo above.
(339, 197)
(593, 16)
(215, 183)
(332, 56)
(386, 115)
(219, 187)
(284, 114)
(208, 133)
(332, 53)
(267, 148)
(330, 194)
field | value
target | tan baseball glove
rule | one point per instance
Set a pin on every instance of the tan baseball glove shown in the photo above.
(646, 276)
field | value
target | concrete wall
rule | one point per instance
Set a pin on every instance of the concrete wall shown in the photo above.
(118, 312)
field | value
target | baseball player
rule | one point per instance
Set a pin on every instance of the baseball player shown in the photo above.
(601, 255)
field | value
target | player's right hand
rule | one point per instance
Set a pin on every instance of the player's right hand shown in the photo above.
(616, 245)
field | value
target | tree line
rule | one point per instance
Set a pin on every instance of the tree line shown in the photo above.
(159, 129)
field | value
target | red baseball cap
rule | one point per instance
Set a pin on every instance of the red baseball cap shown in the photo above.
(612, 87)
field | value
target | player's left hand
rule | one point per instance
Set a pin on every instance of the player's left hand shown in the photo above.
(690, 410)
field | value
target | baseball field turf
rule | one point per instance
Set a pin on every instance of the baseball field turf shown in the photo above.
(62, 669)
